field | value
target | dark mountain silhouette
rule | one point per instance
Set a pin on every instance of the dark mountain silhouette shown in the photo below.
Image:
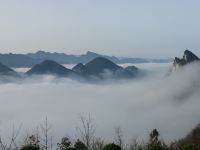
(85, 58)
(104, 68)
(58, 57)
(128, 72)
(131, 69)
(31, 59)
(17, 60)
(100, 64)
(98, 67)
(188, 57)
(4, 70)
(81, 69)
(69, 59)
(50, 67)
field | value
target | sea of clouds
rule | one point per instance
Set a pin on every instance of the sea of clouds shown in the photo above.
(165, 99)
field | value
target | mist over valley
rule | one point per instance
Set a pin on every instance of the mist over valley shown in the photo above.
(164, 98)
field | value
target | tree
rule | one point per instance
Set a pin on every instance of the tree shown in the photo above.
(154, 142)
(154, 137)
(134, 145)
(32, 140)
(97, 144)
(119, 137)
(14, 136)
(30, 147)
(65, 144)
(80, 145)
(2, 145)
(86, 130)
(112, 146)
(45, 130)
(191, 141)
(191, 147)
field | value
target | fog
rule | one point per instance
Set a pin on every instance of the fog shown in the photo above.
(168, 101)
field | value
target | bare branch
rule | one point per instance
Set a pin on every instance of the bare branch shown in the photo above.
(45, 129)
(119, 137)
(86, 130)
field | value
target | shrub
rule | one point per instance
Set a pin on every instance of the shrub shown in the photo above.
(191, 147)
(30, 147)
(80, 145)
(111, 146)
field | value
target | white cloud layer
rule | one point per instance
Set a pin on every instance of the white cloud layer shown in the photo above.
(169, 103)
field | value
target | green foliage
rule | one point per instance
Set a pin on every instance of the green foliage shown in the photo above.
(191, 141)
(111, 146)
(154, 142)
(30, 147)
(80, 145)
(33, 140)
(154, 147)
(32, 143)
(71, 148)
(65, 144)
(191, 147)
(154, 137)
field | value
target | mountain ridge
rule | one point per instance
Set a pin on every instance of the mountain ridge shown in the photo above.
(31, 59)
(49, 67)
(98, 68)
(4, 70)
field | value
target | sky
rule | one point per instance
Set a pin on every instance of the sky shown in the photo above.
(136, 28)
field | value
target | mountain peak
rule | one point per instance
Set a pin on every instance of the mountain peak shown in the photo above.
(80, 69)
(90, 52)
(100, 64)
(49, 67)
(49, 62)
(188, 57)
(41, 52)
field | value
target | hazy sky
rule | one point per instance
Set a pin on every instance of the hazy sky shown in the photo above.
(136, 28)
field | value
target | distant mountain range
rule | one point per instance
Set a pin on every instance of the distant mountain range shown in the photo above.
(31, 59)
(98, 68)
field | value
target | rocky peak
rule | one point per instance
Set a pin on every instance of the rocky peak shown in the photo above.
(49, 67)
(80, 69)
(188, 57)
(100, 64)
